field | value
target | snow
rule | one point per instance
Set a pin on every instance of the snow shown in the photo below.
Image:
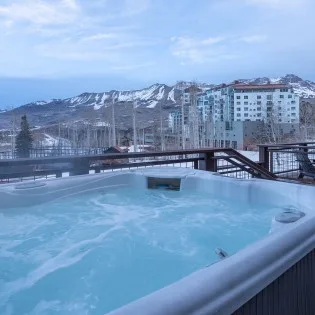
(161, 93)
(41, 102)
(139, 147)
(275, 80)
(50, 141)
(152, 104)
(144, 95)
(98, 106)
(101, 124)
(303, 91)
(171, 95)
(104, 98)
(74, 100)
(252, 155)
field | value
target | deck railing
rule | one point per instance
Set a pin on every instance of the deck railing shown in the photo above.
(281, 160)
(225, 161)
(47, 151)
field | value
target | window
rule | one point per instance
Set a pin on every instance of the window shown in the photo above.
(238, 115)
(238, 103)
(292, 108)
(279, 107)
(279, 102)
(293, 114)
(258, 108)
(238, 97)
(238, 109)
(258, 97)
(246, 115)
(269, 97)
(258, 114)
(269, 103)
(281, 96)
(258, 102)
(292, 102)
(245, 103)
(290, 96)
(245, 97)
(246, 109)
(238, 120)
(283, 90)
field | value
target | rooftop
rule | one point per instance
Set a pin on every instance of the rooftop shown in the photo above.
(260, 86)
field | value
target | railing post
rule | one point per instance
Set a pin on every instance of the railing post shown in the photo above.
(209, 163)
(264, 156)
(303, 145)
(271, 162)
(196, 165)
(80, 168)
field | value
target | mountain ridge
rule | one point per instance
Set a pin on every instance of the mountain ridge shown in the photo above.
(149, 101)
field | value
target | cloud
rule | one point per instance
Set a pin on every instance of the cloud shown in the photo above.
(110, 48)
(62, 52)
(132, 66)
(39, 12)
(194, 50)
(100, 36)
(254, 38)
(278, 4)
(134, 7)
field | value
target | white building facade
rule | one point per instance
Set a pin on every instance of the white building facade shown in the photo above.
(276, 102)
(223, 108)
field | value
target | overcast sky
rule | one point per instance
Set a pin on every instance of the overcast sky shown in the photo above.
(60, 48)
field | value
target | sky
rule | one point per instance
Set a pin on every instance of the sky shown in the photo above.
(61, 48)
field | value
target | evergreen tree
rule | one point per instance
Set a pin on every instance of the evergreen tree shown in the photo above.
(24, 139)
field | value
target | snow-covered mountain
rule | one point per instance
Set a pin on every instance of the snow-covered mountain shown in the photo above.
(304, 88)
(149, 101)
(149, 97)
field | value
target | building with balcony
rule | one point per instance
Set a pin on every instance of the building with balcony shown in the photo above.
(269, 102)
(234, 115)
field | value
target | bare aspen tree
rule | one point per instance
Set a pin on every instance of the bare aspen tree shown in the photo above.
(134, 103)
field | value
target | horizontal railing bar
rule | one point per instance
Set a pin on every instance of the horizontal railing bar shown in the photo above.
(283, 144)
(140, 164)
(110, 156)
(287, 171)
(291, 152)
(232, 172)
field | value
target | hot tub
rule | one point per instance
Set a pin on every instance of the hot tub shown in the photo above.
(152, 241)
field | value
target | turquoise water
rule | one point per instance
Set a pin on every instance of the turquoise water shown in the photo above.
(91, 253)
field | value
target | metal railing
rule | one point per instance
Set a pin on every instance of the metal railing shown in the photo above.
(281, 159)
(47, 151)
(225, 161)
